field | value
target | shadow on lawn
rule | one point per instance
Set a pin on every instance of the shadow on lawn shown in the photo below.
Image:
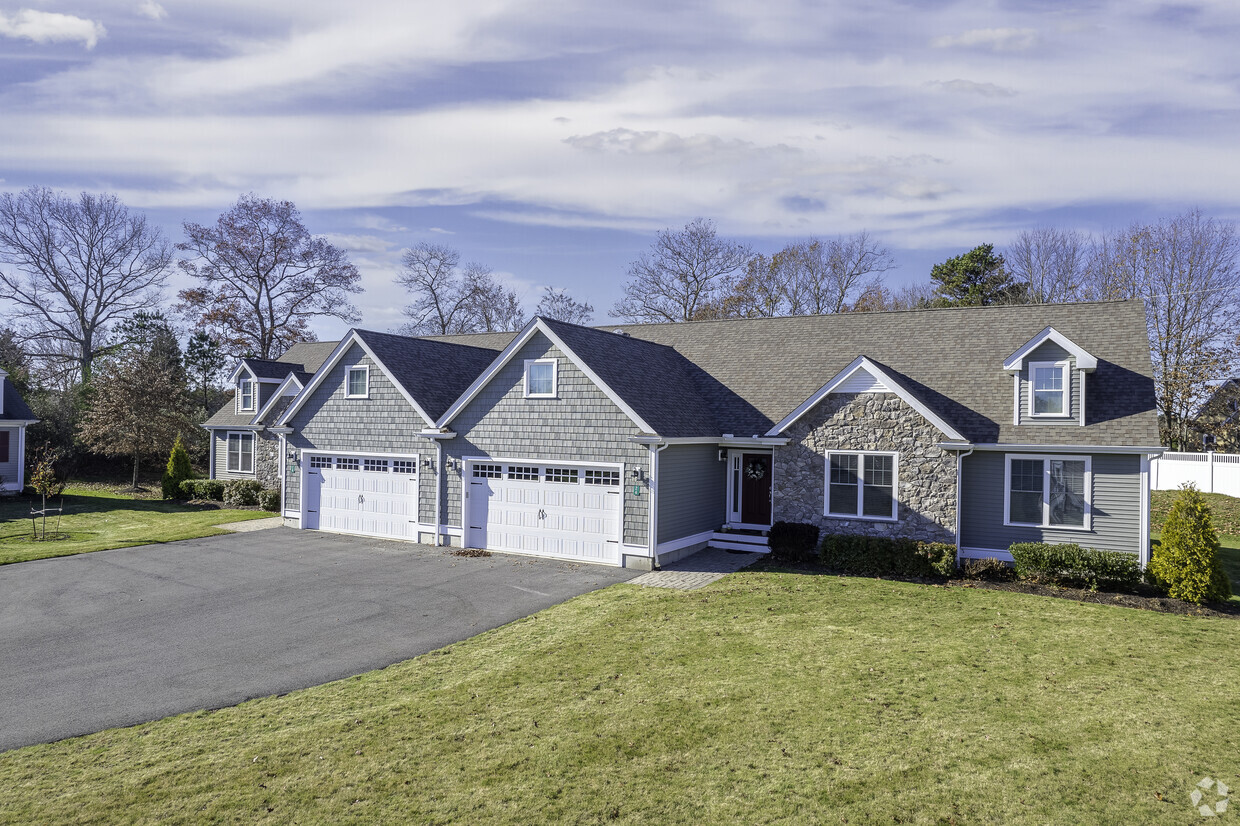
(19, 507)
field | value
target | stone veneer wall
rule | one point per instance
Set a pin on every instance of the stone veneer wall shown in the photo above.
(926, 482)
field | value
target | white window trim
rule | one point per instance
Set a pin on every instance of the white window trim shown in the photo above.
(736, 496)
(1066, 392)
(555, 378)
(895, 485)
(241, 407)
(1045, 458)
(228, 451)
(366, 369)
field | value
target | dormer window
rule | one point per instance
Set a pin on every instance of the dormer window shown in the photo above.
(357, 383)
(245, 392)
(540, 379)
(1049, 388)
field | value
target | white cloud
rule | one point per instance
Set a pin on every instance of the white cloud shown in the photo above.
(151, 9)
(999, 40)
(359, 243)
(989, 90)
(51, 27)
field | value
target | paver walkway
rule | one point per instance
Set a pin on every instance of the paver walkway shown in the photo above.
(703, 568)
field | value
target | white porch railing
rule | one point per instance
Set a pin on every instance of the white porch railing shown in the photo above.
(1210, 472)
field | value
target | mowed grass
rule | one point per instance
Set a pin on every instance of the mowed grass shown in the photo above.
(765, 698)
(95, 521)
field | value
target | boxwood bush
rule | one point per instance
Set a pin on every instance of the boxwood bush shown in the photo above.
(269, 500)
(212, 489)
(1070, 564)
(886, 556)
(242, 492)
(793, 541)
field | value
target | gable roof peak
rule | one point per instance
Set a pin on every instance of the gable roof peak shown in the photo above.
(1084, 361)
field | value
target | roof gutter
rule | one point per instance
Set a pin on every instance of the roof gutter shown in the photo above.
(994, 446)
(437, 435)
(726, 440)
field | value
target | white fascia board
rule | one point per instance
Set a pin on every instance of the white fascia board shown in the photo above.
(1084, 361)
(18, 422)
(992, 446)
(277, 395)
(731, 441)
(436, 434)
(536, 325)
(861, 362)
(320, 376)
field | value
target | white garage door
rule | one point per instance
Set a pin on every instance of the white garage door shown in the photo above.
(374, 496)
(546, 509)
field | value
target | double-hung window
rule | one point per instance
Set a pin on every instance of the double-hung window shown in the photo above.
(1048, 491)
(861, 485)
(357, 382)
(540, 378)
(245, 392)
(1048, 388)
(240, 452)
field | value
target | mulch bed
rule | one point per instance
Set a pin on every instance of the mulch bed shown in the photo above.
(1146, 602)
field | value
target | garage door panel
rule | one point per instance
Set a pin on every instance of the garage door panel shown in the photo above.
(375, 502)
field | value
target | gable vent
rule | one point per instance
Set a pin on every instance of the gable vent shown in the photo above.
(861, 381)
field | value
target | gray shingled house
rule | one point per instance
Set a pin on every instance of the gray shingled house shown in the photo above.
(637, 444)
(15, 417)
(242, 446)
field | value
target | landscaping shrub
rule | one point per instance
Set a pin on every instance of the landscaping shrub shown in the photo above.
(269, 500)
(242, 493)
(1070, 564)
(988, 569)
(212, 489)
(793, 541)
(1186, 563)
(178, 470)
(886, 556)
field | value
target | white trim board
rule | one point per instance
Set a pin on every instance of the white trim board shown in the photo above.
(1044, 458)
(840, 378)
(536, 325)
(320, 376)
(1084, 361)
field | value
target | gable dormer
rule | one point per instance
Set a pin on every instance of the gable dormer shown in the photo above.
(1048, 380)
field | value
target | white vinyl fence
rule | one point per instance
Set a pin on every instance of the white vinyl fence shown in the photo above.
(1210, 472)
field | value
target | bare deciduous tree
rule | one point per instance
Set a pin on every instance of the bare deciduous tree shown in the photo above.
(684, 272)
(824, 276)
(264, 277)
(73, 266)
(1053, 262)
(1187, 270)
(558, 304)
(449, 299)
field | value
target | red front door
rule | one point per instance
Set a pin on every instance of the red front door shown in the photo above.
(756, 488)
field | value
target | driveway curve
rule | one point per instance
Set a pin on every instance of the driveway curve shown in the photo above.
(115, 638)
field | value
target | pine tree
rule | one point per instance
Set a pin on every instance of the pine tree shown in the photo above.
(1186, 563)
(178, 470)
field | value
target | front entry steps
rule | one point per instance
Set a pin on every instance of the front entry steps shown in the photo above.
(739, 540)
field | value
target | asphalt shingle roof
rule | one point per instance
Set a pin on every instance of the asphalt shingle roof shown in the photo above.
(435, 373)
(15, 407)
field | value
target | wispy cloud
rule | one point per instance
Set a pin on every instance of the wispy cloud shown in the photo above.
(152, 10)
(998, 40)
(969, 87)
(51, 27)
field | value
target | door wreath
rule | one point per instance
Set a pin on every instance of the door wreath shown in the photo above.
(756, 469)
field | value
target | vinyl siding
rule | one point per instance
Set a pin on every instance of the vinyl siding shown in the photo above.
(1050, 351)
(692, 491)
(383, 423)
(580, 424)
(8, 470)
(1116, 506)
(221, 456)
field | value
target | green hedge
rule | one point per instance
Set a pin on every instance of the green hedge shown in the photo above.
(1070, 564)
(242, 493)
(212, 489)
(886, 556)
(793, 541)
(269, 500)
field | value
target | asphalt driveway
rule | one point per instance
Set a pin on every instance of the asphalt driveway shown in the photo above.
(120, 637)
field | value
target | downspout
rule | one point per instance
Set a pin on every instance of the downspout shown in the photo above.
(959, 490)
(211, 457)
(654, 502)
(440, 478)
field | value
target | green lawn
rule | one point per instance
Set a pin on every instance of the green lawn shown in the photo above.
(96, 521)
(766, 698)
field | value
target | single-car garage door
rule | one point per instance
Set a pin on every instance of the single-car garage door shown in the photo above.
(369, 495)
(559, 510)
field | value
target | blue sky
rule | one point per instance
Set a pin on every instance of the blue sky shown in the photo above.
(552, 139)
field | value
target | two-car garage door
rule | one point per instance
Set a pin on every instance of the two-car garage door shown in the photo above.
(558, 510)
(374, 496)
